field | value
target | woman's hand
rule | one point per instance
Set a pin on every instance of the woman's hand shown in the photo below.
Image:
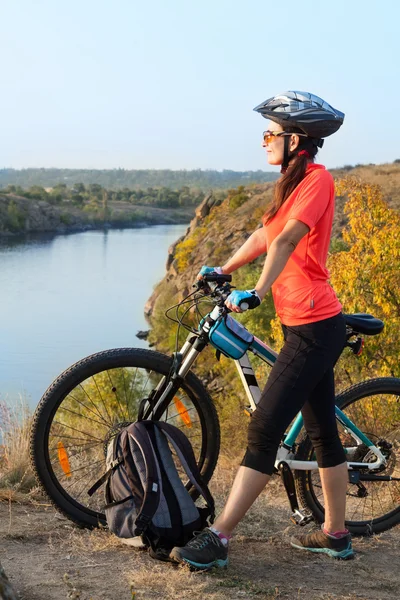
(208, 271)
(239, 301)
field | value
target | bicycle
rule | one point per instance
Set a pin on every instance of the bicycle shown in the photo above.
(90, 402)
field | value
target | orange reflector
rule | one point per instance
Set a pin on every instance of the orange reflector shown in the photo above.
(183, 413)
(63, 458)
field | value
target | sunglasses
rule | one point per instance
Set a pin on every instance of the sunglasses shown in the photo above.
(269, 136)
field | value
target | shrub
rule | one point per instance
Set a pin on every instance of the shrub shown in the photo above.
(65, 219)
(15, 217)
(237, 198)
(185, 248)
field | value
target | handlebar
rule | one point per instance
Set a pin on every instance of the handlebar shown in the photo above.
(220, 290)
(217, 278)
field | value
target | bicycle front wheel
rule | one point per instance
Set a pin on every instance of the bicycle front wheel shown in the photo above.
(90, 403)
(371, 506)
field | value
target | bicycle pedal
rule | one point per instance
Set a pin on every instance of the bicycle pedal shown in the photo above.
(301, 517)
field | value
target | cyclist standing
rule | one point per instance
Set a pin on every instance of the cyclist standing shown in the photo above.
(295, 235)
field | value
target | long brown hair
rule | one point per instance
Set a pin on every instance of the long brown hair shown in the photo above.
(294, 174)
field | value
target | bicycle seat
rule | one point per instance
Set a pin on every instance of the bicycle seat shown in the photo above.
(364, 323)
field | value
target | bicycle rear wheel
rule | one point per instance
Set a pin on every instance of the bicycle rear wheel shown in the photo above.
(90, 403)
(373, 506)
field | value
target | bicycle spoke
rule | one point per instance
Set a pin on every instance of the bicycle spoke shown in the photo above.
(81, 416)
(115, 391)
(78, 430)
(89, 409)
(70, 437)
(82, 446)
(126, 397)
(90, 400)
(101, 397)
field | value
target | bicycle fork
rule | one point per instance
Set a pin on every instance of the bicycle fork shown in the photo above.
(168, 385)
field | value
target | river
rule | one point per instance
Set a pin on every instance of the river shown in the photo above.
(63, 297)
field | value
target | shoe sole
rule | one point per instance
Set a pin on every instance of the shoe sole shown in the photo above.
(347, 554)
(219, 563)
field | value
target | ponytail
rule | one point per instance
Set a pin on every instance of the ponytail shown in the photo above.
(298, 161)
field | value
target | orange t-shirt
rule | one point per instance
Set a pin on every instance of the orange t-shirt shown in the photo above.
(302, 293)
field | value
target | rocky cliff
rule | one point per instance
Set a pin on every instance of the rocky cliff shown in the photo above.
(219, 228)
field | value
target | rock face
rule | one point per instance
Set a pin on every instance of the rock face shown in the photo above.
(214, 233)
(22, 215)
(19, 215)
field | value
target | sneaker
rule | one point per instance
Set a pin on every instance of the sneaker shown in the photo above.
(204, 551)
(319, 541)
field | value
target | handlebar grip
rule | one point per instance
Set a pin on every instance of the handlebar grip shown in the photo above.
(216, 278)
(244, 306)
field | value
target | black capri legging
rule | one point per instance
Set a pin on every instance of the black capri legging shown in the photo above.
(301, 379)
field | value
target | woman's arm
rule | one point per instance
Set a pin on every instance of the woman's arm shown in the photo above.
(253, 247)
(279, 253)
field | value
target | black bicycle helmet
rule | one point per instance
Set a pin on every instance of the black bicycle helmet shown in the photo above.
(308, 112)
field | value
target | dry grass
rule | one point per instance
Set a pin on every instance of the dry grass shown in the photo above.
(150, 582)
(48, 557)
(16, 476)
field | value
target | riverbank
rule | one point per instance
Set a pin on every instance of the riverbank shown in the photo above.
(20, 215)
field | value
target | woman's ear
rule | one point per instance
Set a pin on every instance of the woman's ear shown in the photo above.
(294, 142)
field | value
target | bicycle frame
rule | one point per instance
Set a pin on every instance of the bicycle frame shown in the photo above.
(286, 452)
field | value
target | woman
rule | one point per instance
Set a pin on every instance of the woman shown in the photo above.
(296, 236)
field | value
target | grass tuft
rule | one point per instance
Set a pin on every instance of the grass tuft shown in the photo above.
(16, 474)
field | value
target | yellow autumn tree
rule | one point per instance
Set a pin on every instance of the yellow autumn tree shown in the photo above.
(366, 276)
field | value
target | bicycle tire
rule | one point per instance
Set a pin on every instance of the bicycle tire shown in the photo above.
(385, 386)
(93, 367)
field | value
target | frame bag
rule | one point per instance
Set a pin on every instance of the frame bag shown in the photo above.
(230, 337)
(145, 495)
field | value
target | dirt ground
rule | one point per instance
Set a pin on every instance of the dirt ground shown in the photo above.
(46, 557)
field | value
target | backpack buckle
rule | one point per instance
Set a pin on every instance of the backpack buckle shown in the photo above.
(141, 523)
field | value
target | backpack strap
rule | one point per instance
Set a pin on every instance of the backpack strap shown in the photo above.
(185, 453)
(151, 498)
(114, 464)
(106, 476)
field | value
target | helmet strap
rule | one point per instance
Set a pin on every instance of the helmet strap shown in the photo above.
(285, 162)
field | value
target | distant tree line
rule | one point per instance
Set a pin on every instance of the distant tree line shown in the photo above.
(115, 179)
(93, 194)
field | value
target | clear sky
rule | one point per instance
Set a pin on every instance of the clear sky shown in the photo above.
(172, 83)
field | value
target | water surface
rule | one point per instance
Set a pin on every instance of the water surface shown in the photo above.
(66, 296)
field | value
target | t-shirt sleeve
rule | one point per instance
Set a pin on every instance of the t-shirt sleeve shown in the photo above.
(313, 198)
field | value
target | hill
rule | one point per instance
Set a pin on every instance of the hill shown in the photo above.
(114, 179)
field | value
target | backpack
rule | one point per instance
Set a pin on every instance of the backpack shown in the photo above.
(144, 493)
